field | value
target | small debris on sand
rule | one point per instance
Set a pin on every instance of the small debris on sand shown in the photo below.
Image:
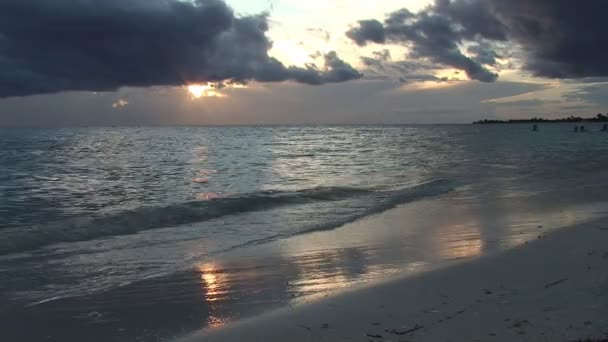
(403, 332)
(94, 315)
(374, 335)
(556, 283)
(519, 324)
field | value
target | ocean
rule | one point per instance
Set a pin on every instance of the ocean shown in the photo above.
(147, 233)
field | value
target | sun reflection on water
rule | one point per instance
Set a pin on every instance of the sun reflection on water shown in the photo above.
(214, 291)
(458, 241)
(213, 282)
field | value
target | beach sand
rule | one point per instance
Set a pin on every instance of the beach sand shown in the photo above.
(554, 288)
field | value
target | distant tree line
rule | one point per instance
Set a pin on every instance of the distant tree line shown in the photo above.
(598, 118)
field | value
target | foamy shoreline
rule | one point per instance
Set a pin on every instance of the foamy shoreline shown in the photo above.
(551, 289)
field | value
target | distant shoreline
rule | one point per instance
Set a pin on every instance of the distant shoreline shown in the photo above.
(571, 119)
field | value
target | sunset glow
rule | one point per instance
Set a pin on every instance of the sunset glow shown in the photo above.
(212, 89)
(204, 90)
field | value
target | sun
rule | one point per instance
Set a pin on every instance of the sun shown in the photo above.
(196, 90)
(203, 90)
(211, 89)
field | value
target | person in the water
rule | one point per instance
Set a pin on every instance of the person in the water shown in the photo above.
(605, 128)
(576, 129)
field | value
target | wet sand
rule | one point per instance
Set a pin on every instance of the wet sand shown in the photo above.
(552, 289)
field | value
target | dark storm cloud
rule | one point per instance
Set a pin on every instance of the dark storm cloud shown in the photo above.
(338, 71)
(51, 46)
(563, 38)
(428, 34)
(475, 18)
(484, 53)
(560, 38)
(368, 31)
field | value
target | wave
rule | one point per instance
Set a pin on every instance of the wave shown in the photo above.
(347, 205)
(385, 200)
(27, 238)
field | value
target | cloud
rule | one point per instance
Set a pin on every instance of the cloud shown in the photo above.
(520, 103)
(484, 53)
(559, 38)
(101, 45)
(337, 71)
(368, 31)
(428, 35)
(563, 38)
(475, 18)
(381, 67)
(594, 94)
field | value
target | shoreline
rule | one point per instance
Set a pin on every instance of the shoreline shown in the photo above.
(551, 289)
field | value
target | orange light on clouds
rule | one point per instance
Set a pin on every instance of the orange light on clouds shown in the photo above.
(211, 89)
(204, 90)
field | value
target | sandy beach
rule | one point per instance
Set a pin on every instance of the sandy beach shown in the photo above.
(554, 288)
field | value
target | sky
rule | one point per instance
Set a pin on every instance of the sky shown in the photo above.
(215, 62)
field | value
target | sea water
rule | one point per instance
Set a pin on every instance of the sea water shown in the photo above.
(87, 210)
